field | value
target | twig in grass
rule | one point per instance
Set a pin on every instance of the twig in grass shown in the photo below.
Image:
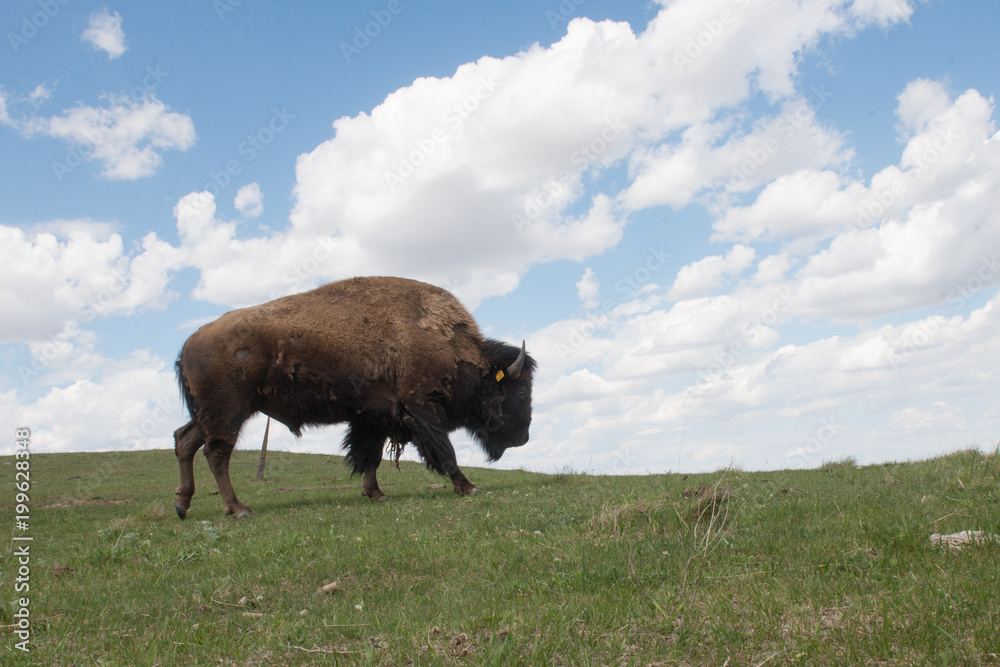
(228, 604)
(742, 575)
(345, 625)
(322, 650)
(769, 658)
(124, 526)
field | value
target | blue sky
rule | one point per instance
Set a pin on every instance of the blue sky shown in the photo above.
(665, 200)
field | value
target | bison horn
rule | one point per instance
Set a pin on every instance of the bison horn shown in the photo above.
(514, 370)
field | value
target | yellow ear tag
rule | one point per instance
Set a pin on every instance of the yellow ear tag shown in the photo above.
(499, 375)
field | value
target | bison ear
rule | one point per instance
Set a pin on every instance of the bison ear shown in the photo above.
(514, 370)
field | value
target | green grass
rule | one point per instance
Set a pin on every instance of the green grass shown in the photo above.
(815, 567)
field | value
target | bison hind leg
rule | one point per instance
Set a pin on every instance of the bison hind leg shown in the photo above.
(364, 442)
(188, 439)
(218, 452)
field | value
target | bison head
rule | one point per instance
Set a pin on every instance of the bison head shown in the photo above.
(503, 399)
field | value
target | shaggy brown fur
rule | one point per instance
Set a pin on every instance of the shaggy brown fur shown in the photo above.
(397, 359)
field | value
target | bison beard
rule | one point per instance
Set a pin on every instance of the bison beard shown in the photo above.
(395, 359)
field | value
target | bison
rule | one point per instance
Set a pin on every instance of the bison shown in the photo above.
(395, 359)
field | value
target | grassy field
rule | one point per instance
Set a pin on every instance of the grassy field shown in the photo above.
(814, 567)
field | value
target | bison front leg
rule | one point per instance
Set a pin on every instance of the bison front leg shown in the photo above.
(218, 453)
(369, 485)
(458, 479)
(434, 445)
(187, 440)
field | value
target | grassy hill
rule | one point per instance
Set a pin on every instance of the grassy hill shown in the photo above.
(825, 566)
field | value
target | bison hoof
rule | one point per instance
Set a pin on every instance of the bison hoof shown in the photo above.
(244, 514)
(181, 511)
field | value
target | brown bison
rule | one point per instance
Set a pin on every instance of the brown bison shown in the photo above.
(395, 359)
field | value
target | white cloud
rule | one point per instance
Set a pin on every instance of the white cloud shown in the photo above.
(394, 191)
(731, 387)
(445, 151)
(882, 12)
(104, 32)
(701, 277)
(41, 93)
(126, 136)
(714, 155)
(75, 271)
(249, 201)
(939, 415)
(128, 404)
(589, 289)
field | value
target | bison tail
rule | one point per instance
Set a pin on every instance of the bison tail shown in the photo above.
(185, 390)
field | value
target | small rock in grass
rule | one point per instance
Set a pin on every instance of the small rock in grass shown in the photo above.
(956, 541)
(331, 587)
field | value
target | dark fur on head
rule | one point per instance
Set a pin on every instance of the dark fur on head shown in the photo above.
(502, 408)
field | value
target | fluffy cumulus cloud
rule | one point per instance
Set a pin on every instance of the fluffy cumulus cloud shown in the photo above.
(78, 270)
(126, 136)
(701, 366)
(249, 201)
(467, 181)
(589, 289)
(104, 32)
